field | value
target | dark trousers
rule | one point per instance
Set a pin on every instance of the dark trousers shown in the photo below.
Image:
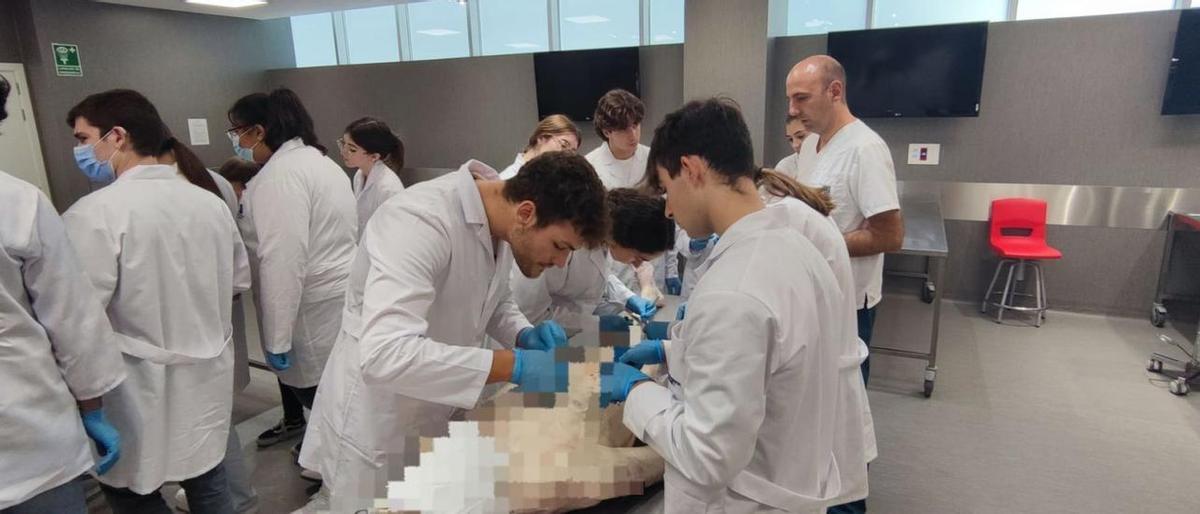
(207, 493)
(866, 326)
(295, 399)
(68, 498)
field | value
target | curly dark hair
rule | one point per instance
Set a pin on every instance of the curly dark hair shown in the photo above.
(5, 88)
(617, 110)
(564, 187)
(639, 221)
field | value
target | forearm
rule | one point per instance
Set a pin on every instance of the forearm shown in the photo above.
(882, 233)
(502, 366)
(90, 404)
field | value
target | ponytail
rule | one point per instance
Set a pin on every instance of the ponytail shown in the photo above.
(190, 166)
(775, 183)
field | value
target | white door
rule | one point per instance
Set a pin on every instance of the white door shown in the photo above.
(20, 151)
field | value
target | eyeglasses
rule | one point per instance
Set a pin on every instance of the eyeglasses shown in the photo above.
(349, 147)
(236, 131)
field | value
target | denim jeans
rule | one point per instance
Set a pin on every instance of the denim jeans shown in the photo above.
(68, 498)
(206, 494)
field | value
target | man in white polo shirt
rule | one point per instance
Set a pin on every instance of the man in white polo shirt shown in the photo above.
(856, 167)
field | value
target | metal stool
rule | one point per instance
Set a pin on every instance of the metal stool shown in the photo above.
(1016, 269)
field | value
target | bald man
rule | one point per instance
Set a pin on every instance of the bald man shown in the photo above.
(855, 166)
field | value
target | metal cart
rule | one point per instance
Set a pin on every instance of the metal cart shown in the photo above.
(1178, 281)
(924, 236)
(1173, 269)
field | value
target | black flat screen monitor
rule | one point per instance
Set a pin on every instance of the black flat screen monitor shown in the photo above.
(570, 83)
(934, 71)
(1183, 80)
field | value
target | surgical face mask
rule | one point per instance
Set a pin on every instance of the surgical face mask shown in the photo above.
(245, 154)
(96, 170)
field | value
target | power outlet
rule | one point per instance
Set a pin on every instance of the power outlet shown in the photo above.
(924, 154)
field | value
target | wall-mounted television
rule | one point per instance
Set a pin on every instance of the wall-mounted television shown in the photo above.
(570, 83)
(934, 71)
(1183, 80)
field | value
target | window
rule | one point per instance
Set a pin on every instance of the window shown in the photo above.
(312, 40)
(438, 30)
(904, 13)
(598, 23)
(666, 22)
(371, 35)
(513, 26)
(821, 16)
(1035, 9)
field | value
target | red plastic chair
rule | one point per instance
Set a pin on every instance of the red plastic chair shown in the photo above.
(1018, 236)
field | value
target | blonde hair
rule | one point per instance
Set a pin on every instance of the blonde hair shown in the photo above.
(553, 125)
(778, 184)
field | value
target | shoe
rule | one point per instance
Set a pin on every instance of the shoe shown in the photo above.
(181, 500)
(317, 503)
(296, 450)
(310, 475)
(282, 431)
(181, 503)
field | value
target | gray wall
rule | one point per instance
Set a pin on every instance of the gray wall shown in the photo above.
(189, 65)
(725, 53)
(448, 111)
(1060, 105)
(10, 47)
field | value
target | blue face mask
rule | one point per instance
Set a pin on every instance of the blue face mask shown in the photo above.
(96, 170)
(245, 154)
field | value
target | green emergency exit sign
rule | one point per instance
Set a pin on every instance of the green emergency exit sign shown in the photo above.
(66, 60)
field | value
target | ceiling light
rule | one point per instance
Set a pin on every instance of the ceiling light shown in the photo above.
(437, 32)
(588, 18)
(231, 4)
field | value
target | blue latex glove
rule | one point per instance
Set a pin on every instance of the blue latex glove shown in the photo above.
(546, 335)
(649, 351)
(108, 440)
(674, 286)
(657, 330)
(614, 323)
(279, 361)
(536, 371)
(642, 307)
(681, 311)
(616, 379)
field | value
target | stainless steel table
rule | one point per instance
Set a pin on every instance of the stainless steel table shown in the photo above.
(924, 236)
(1174, 275)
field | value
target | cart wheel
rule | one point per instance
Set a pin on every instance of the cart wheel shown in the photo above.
(1158, 316)
(927, 292)
(928, 388)
(1179, 387)
(1154, 366)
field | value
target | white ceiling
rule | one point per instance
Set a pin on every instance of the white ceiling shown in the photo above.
(273, 9)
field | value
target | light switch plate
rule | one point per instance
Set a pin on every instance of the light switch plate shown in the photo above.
(924, 154)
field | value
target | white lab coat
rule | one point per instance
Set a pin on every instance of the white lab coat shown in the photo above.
(855, 443)
(427, 284)
(381, 184)
(799, 165)
(748, 421)
(562, 294)
(693, 261)
(305, 220)
(512, 169)
(56, 346)
(241, 358)
(165, 259)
